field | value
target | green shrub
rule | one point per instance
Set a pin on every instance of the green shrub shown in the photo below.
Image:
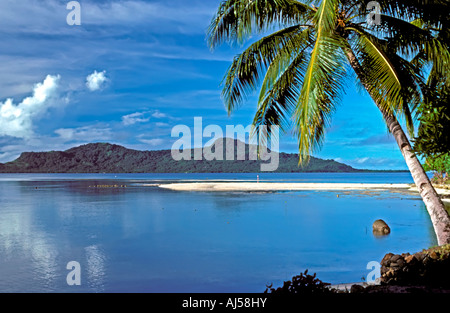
(302, 284)
(440, 165)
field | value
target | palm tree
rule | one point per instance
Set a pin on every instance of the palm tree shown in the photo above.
(305, 51)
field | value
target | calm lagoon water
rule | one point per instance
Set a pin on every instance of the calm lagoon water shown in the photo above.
(147, 239)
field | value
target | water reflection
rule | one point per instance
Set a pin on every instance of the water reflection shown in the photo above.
(28, 254)
(148, 239)
(95, 268)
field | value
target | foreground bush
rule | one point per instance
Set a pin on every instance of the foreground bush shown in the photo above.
(302, 284)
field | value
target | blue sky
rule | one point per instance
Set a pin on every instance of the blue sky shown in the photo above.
(132, 71)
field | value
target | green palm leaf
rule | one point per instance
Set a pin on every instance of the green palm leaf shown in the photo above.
(245, 72)
(385, 85)
(236, 20)
(320, 83)
(412, 39)
(280, 92)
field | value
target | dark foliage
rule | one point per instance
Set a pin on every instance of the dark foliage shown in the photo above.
(302, 284)
(109, 158)
(433, 137)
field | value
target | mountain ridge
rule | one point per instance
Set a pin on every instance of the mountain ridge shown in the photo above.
(104, 157)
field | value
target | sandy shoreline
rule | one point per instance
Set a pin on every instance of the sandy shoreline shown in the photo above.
(273, 186)
(254, 186)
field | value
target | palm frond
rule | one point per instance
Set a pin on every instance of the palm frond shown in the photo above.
(247, 68)
(281, 88)
(321, 83)
(396, 85)
(412, 92)
(385, 85)
(236, 20)
(431, 11)
(412, 39)
(282, 62)
(403, 36)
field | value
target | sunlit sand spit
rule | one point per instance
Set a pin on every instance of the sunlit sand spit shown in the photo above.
(254, 186)
(443, 192)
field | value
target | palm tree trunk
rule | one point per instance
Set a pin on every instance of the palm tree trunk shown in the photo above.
(433, 203)
(435, 207)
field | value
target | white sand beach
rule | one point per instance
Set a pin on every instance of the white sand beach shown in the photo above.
(273, 186)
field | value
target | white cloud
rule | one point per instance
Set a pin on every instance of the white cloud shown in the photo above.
(374, 163)
(158, 114)
(66, 138)
(17, 120)
(7, 156)
(96, 80)
(152, 142)
(134, 118)
(361, 160)
(85, 132)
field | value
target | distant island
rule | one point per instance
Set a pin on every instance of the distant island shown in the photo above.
(111, 158)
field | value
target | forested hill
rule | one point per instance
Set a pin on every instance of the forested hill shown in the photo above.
(110, 158)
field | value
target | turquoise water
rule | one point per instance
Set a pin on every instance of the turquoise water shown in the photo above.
(147, 239)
